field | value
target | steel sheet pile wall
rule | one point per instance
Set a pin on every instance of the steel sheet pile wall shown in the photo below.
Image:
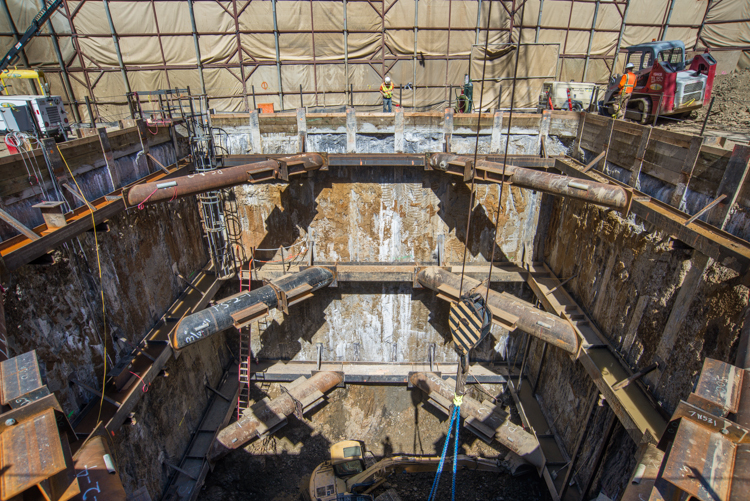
(329, 48)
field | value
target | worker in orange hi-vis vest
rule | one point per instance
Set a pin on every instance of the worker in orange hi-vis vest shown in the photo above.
(386, 90)
(627, 84)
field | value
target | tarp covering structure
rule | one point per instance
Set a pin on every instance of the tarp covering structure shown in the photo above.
(331, 53)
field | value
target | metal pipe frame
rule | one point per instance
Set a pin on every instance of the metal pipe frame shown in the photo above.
(198, 59)
(117, 46)
(82, 71)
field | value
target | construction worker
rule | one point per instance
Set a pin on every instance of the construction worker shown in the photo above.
(386, 90)
(626, 85)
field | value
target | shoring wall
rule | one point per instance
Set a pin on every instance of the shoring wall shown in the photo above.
(328, 48)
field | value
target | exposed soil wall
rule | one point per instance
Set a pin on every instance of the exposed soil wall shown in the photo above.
(56, 310)
(616, 263)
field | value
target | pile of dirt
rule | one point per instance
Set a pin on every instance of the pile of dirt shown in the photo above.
(731, 109)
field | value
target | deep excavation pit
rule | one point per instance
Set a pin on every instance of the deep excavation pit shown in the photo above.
(612, 313)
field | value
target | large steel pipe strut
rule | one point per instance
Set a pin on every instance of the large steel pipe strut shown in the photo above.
(597, 193)
(512, 436)
(220, 178)
(202, 324)
(267, 415)
(545, 326)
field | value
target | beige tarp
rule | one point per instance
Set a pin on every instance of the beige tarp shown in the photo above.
(391, 34)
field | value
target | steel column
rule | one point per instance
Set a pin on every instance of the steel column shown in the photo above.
(666, 23)
(414, 62)
(619, 39)
(117, 46)
(741, 479)
(539, 21)
(15, 32)
(540, 324)
(591, 41)
(240, 55)
(198, 59)
(346, 55)
(72, 101)
(278, 57)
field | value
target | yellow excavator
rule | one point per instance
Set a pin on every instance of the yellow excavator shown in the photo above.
(37, 75)
(347, 477)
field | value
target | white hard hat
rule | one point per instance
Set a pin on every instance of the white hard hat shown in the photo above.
(629, 66)
(387, 79)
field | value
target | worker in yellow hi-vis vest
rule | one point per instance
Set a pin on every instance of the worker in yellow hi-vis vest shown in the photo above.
(386, 90)
(626, 85)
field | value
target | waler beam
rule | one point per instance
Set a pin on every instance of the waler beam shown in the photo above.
(243, 308)
(545, 326)
(597, 193)
(266, 416)
(280, 168)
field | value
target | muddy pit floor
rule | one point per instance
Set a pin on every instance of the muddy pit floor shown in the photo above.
(390, 420)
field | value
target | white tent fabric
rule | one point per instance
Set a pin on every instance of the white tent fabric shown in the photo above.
(157, 46)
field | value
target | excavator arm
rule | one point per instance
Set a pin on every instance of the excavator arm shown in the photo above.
(372, 477)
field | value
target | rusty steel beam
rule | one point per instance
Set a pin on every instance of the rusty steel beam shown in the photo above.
(545, 326)
(268, 415)
(480, 415)
(741, 476)
(282, 292)
(590, 191)
(223, 178)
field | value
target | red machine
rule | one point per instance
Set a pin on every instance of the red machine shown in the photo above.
(665, 82)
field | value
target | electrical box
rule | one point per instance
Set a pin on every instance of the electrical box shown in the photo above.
(48, 112)
(17, 118)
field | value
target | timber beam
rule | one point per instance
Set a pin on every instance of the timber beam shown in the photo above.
(723, 247)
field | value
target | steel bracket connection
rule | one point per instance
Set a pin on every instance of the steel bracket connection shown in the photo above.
(293, 167)
(245, 317)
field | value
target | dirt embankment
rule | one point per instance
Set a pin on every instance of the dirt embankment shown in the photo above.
(731, 109)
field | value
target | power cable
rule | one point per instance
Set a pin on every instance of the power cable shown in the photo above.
(505, 160)
(476, 148)
(101, 281)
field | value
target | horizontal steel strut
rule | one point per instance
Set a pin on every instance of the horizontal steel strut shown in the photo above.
(283, 167)
(203, 324)
(548, 182)
(223, 178)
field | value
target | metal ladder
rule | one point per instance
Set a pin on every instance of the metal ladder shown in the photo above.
(243, 399)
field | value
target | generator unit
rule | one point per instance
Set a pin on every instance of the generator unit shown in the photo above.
(48, 113)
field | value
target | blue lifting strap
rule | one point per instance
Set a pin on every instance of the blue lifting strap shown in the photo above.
(455, 418)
